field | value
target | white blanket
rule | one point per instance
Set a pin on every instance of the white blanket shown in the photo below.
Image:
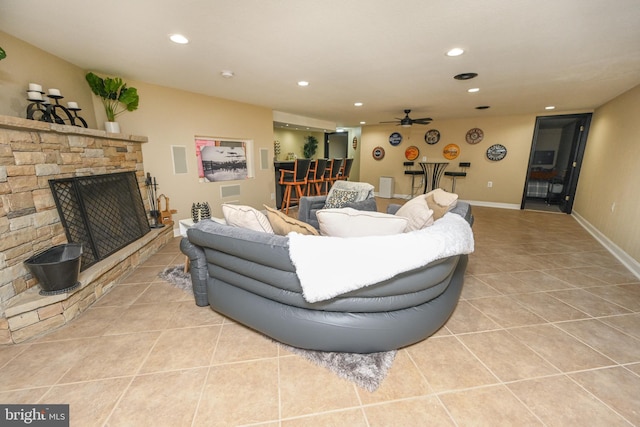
(331, 266)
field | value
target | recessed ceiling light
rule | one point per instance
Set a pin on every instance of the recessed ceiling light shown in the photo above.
(456, 51)
(226, 74)
(303, 83)
(358, 104)
(178, 38)
(465, 76)
(550, 107)
(473, 90)
(363, 123)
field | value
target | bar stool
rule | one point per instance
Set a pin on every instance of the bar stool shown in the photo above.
(296, 178)
(346, 169)
(332, 172)
(458, 174)
(315, 179)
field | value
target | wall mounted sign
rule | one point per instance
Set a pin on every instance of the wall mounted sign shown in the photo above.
(412, 153)
(474, 136)
(395, 138)
(496, 152)
(355, 142)
(451, 151)
(432, 136)
(378, 153)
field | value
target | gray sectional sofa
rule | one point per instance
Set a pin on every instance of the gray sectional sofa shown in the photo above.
(249, 277)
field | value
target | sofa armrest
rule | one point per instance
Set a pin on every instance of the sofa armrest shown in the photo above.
(364, 205)
(307, 209)
(393, 208)
(198, 270)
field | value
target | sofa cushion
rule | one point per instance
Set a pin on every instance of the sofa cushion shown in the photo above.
(417, 213)
(283, 224)
(339, 198)
(441, 202)
(349, 222)
(364, 189)
(246, 217)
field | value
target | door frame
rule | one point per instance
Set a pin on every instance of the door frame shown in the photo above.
(574, 162)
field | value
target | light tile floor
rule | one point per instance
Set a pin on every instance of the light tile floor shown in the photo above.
(547, 332)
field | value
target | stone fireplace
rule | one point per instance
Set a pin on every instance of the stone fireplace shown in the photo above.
(31, 154)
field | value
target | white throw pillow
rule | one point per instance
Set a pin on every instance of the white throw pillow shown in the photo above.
(246, 217)
(417, 213)
(349, 222)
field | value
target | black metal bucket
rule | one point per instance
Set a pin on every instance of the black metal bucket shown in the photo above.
(57, 268)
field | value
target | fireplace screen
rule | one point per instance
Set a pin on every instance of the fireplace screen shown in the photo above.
(103, 212)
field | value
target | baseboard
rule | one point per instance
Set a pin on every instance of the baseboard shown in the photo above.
(615, 250)
(493, 204)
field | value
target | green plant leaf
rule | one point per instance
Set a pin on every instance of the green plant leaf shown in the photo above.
(116, 96)
(3, 54)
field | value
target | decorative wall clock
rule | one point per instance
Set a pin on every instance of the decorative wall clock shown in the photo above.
(496, 152)
(474, 136)
(378, 153)
(432, 136)
(451, 151)
(395, 138)
(412, 153)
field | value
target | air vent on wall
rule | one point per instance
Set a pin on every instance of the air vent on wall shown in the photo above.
(229, 190)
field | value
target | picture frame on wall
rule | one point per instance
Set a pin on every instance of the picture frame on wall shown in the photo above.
(222, 160)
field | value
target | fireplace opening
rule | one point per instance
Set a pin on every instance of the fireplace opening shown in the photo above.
(102, 212)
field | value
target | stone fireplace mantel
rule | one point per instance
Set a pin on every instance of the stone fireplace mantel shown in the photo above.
(32, 153)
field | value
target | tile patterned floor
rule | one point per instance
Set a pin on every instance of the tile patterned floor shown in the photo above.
(547, 333)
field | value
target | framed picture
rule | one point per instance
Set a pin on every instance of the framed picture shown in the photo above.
(222, 160)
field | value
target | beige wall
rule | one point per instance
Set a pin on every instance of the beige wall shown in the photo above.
(611, 173)
(292, 141)
(26, 64)
(508, 175)
(173, 117)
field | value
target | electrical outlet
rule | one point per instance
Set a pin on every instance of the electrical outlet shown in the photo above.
(273, 196)
(613, 206)
(424, 158)
(490, 184)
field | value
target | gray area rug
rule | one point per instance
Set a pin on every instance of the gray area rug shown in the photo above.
(366, 370)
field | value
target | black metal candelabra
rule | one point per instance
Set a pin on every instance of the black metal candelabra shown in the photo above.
(45, 111)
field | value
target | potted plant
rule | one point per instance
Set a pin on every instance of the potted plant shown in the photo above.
(3, 54)
(116, 98)
(310, 146)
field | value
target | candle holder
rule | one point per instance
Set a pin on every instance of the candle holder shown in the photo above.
(42, 110)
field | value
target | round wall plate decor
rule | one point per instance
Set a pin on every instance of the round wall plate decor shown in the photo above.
(378, 153)
(474, 136)
(432, 136)
(412, 153)
(496, 152)
(451, 151)
(395, 138)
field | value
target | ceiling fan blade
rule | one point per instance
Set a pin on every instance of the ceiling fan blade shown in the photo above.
(392, 121)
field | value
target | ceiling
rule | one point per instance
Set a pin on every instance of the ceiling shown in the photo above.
(390, 56)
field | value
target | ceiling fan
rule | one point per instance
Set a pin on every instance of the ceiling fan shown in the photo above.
(408, 121)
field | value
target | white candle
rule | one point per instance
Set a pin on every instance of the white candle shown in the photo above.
(72, 105)
(34, 87)
(34, 96)
(54, 92)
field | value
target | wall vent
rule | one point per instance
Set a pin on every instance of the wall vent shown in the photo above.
(229, 190)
